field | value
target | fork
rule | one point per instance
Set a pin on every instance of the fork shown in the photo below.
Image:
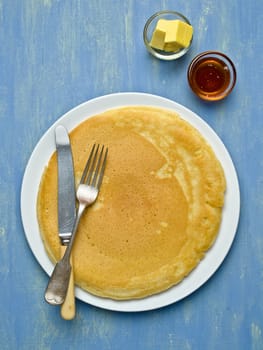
(87, 193)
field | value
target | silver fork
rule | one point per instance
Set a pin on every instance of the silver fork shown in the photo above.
(87, 194)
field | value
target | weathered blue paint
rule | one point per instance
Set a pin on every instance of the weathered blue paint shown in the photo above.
(56, 54)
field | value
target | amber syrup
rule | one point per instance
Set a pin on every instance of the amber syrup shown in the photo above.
(210, 77)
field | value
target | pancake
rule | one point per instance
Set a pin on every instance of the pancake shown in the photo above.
(159, 208)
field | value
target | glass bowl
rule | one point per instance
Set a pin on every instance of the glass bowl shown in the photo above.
(150, 27)
(211, 75)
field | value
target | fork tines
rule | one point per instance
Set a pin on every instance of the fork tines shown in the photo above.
(94, 169)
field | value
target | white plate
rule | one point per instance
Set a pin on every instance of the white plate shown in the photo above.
(214, 256)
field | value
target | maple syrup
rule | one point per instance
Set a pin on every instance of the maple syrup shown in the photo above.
(211, 76)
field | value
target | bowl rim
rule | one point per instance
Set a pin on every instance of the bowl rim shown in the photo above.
(232, 69)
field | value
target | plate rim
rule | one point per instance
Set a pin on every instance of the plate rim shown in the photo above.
(98, 105)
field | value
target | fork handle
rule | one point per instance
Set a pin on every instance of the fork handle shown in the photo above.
(57, 287)
(68, 308)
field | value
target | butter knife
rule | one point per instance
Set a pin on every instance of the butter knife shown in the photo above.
(66, 208)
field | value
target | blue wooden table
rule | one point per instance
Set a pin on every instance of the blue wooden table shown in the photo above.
(55, 55)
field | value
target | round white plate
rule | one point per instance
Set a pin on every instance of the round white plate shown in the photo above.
(214, 256)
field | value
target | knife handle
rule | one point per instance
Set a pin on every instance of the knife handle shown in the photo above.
(68, 308)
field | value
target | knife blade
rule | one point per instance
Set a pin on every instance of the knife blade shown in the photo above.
(66, 207)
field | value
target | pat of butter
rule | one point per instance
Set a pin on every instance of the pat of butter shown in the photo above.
(158, 39)
(171, 35)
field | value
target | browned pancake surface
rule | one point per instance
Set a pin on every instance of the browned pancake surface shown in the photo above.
(159, 208)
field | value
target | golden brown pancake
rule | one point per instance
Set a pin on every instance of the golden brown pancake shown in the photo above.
(159, 208)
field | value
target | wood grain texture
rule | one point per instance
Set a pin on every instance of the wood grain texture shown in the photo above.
(56, 54)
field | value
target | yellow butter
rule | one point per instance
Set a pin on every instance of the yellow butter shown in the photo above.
(158, 39)
(171, 35)
(172, 47)
(179, 32)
